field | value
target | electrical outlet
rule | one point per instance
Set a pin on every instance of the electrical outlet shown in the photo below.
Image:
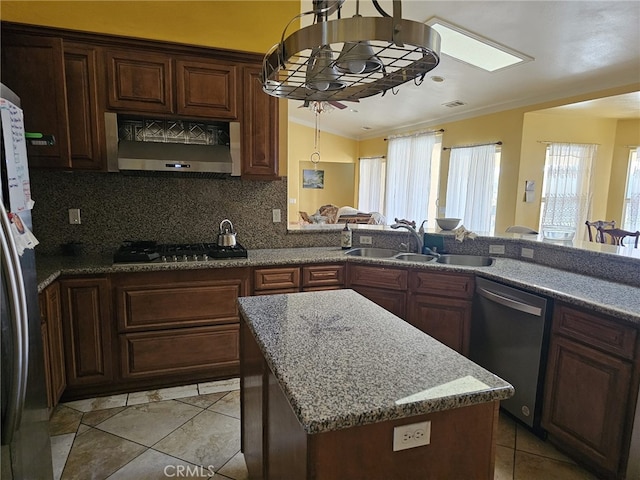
(496, 249)
(411, 436)
(74, 216)
(365, 240)
(276, 215)
(526, 252)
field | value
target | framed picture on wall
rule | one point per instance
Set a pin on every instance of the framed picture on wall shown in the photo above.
(312, 178)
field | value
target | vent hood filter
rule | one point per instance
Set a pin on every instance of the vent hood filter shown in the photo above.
(177, 147)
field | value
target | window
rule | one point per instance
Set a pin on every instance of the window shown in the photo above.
(472, 186)
(412, 165)
(372, 181)
(631, 208)
(566, 186)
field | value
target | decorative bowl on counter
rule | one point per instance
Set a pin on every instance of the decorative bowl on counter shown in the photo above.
(447, 223)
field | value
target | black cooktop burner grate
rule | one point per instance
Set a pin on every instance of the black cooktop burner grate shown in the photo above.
(149, 252)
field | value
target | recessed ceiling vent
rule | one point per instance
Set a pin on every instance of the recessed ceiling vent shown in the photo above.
(455, 103)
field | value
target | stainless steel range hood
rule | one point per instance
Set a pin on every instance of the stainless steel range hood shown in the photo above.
(188, 159)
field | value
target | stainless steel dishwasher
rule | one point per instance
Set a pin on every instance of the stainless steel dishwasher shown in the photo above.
(509, 337)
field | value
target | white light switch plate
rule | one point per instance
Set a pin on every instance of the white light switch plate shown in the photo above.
(526, 252)
(496, 249)
(276, 215)
(74, 216)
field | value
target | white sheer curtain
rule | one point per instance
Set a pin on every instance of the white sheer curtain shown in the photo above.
(471, 185)
(567, 185)
(631, 216)
(371, 184)
(408, 176)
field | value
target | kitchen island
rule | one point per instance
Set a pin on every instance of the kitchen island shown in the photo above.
(326, 377)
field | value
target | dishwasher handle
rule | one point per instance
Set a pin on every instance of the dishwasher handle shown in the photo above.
(508, 302)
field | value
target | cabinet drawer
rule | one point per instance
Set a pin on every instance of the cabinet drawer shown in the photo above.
(322, 275)
(178, 351)
(442, 284)
(276, 278)
(601, 332)
(185, 304)
(388, 278)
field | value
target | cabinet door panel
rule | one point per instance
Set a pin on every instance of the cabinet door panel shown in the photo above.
(180, 351)
(392, 301)
(145, 307)
(586, 394)
(53, 310)
(388, 278)
(281, 278)
(87, 331)
(608, 335)
(33, 67)
(322, 276)
(448, 320)
(140, 81)
(86, 127)
(259, 129)
(206, 89)
(442, 284)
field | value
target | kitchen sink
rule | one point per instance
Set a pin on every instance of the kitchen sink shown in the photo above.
(372, 252)
(466, 260)
(414, 257)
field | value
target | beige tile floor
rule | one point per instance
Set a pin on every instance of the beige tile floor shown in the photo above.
(194, 432)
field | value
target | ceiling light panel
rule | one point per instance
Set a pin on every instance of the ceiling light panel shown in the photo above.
(474, 49)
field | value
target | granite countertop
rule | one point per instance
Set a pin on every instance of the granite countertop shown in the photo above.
(343, 361)
(602, 296)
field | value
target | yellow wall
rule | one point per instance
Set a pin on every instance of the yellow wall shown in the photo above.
(333, 149)
(253, 26)
(338, 187)
(540, 127)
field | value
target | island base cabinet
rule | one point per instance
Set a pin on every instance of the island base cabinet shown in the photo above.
(275, 445)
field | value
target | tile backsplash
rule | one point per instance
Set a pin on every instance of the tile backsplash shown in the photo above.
(116, 207)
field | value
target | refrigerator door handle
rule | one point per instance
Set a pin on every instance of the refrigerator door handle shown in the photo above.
(19, 319)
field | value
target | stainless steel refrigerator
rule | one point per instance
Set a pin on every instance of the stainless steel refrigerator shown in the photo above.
(26, 448)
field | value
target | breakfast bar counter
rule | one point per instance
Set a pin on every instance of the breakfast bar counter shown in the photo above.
(327, 376)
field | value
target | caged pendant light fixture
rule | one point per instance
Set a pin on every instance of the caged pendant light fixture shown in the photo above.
(349, 58)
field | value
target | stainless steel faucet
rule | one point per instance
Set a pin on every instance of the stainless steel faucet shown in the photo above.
(412, 230)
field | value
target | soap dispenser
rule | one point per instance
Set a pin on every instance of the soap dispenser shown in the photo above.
(346, 237)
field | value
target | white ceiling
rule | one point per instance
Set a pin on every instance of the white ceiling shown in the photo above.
(578, 47)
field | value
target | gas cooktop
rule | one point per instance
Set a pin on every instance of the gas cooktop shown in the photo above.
(152, 252)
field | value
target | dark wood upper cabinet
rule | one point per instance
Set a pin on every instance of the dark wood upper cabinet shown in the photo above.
(139, 81)
(67, 81)
(86, 124)
(259, 129)
(33, 67)
(206, 89)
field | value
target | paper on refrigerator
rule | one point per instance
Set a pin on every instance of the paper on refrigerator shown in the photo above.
(16, 157)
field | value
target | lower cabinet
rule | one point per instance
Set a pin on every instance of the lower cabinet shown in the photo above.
(88, 331)
(179, 326)
(53, 345)
(440, 305)
(384, 286)
(591, 388)
(129, 331)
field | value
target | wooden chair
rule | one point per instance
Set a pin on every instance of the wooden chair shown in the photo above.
(617, 235)
(597, 225)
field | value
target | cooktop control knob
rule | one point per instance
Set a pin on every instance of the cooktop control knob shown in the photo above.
(174, 258)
